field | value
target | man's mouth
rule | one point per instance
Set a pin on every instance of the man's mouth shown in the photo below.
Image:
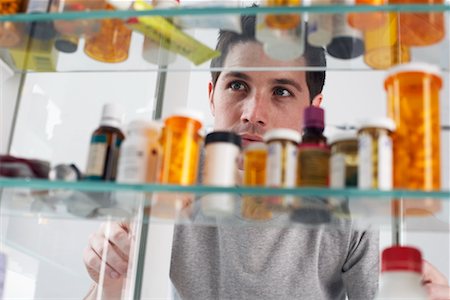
(247, 139)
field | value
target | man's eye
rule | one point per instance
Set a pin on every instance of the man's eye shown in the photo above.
(237, 86)
(281, 92)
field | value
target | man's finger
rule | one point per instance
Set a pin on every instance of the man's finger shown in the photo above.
(119, 236)
(108, 253)
(438, 291)
(432, 275)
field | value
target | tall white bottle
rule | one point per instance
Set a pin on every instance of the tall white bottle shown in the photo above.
(401, 274)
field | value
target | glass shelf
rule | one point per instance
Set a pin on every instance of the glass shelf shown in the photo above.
(33, 55)
(171, 204)
(207, 10)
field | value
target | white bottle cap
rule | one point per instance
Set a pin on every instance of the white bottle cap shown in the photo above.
(142, 126)
(111, 115)
(188, 113)
(283, 134)
(384, 123)
(414, 67)
(287, 47)
(343, 136)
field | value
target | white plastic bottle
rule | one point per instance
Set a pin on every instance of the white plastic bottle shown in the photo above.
(140, 154)
(401, 274)
(222, 149)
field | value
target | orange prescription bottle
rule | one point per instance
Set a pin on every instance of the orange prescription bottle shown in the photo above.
(420, 28)
(382, 46)
(255, 160)
(286, 21)
(181, 147)
(112, 43)
(368, 20)
(413, 104)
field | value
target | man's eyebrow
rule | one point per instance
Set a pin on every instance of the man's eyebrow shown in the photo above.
(237, 75)
(288, 82)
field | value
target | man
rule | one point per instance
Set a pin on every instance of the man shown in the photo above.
(253, 261)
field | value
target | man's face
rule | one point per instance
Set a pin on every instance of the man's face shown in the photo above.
(251, 103)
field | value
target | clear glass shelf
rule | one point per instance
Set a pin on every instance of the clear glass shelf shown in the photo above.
(173, 204)
(204, 8)
(34, 55)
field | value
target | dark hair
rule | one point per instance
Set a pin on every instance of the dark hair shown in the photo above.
(314, 56)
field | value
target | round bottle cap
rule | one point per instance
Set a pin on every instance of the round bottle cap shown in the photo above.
(283, 134)
(66, 44)
(223, 136)
(400, 258)
(343, 136)
(414, 67)
(384, 123)
(111, 115)
(143, 126)
(188, 113)
(284, 50)
(314, 117)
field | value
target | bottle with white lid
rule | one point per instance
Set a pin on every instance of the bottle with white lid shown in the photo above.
(375, 153)
(401, 274)
(105, 145)
(281, 167)
(222, 149)
(140, 154)
(320, 26)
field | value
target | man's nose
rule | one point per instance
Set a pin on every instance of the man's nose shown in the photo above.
(256, 111)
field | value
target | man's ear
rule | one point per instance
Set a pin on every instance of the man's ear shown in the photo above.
(317, 100)
(211, 97)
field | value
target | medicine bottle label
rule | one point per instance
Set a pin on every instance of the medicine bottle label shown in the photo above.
(314, 166)
(97, 156)
(384, 162)
(282, 165)
(132, 164)
(337, 170)
(375, 167)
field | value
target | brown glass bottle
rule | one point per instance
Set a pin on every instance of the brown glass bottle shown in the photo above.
(314, 154)
(105, 145)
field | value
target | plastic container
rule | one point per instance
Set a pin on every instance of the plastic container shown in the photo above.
(286, 45)
(222, 149)
(344, 160)
(285, 21)
(181, 147)
(368, 20)
(347, 43)
(111, 44)
(255, 162)
(382, 45)
(282, 163)
(375, 153)
(140, 154)
(413, 104)
(420, 28)
(320, 28)
(401, 274)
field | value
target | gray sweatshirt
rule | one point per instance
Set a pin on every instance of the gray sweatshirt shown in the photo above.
(240, 259)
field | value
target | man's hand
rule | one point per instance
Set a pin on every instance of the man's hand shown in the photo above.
(109, 249)
(435, 283)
